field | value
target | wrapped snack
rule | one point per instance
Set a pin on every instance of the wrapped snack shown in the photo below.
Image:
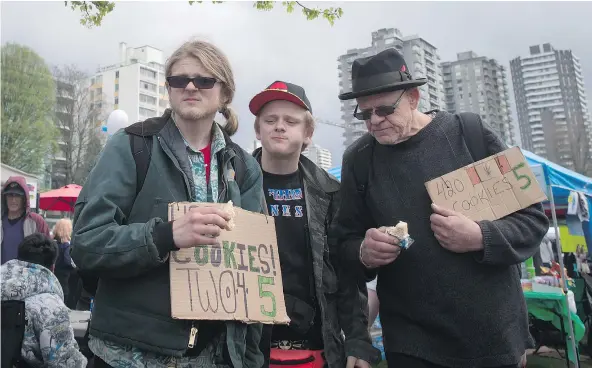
(229, 208)
(400, 231)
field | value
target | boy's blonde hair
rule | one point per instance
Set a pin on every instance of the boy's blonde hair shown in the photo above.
(216, 63)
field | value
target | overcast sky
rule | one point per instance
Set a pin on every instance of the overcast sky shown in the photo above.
(266, 46)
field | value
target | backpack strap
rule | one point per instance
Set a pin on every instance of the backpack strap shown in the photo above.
(471, 128)
(361, 167)
(141, 147)
(239, 165)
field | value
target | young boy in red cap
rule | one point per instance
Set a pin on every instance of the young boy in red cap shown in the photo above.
(321, 299)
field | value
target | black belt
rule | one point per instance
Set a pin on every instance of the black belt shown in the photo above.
(294, 345)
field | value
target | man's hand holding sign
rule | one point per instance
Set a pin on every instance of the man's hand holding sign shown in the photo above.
(455, 231)
(201, 225)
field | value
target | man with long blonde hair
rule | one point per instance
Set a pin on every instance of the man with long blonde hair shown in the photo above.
(121, 232)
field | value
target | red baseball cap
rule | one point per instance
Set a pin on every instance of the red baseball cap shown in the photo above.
(279, 90)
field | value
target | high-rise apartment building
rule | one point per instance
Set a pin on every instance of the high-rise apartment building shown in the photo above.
(56, 164)
(135, 84)
(320, 156)
(551, 103)
(422, 60)
(478, 84)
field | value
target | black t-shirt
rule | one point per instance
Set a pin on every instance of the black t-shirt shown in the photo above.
(285, 202)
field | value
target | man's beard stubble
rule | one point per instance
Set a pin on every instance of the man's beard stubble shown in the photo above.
(193, 114)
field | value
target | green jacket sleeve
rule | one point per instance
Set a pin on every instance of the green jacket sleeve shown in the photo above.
(103, 242)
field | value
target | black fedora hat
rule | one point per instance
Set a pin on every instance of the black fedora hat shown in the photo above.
(383, 72)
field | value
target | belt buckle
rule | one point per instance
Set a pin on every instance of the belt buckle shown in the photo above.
(289, 344)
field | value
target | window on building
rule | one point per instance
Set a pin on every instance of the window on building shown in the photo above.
(117, 100)
(148, 86)
(117, 87)
(147, 99)
(147, 73)
(117, 74)
(147, 112)
(163, 103)
(161, 90)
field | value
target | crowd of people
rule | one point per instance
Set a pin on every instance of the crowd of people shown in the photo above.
(452, 299)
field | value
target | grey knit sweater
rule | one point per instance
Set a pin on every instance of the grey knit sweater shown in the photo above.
(456, 310)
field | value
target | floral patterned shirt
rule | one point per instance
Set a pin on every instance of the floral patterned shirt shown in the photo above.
(127, 356)
(204, 192)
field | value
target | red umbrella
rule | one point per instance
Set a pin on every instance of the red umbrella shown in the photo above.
(62, 199)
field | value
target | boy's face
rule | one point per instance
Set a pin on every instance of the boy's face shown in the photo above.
(283, 128)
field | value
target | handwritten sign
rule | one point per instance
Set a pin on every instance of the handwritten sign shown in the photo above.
(488, 189)
(240, 279)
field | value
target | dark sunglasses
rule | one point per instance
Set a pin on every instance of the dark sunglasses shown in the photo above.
(381, 111)
(179, 81)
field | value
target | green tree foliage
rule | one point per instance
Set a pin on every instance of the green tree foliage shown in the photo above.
(93, 12)
(28, 102)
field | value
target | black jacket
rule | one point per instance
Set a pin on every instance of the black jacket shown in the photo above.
(343, 305)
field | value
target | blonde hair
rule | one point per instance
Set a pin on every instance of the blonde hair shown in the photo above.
(309, 121)
(62, 231)
(216, 63)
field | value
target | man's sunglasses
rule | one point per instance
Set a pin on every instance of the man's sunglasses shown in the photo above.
(179, 81)
(382, 111)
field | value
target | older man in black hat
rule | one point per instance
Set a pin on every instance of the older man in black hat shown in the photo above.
(453, 299)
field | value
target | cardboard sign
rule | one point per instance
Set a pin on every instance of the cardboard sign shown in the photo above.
(488, 189)
(240, 279)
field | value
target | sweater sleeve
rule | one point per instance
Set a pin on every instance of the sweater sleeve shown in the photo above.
(352, 220)
(516, 237)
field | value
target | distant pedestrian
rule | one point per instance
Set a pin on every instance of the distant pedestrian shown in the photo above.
(17, 219)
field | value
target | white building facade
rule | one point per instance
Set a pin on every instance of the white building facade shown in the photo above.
(135, 84)
(319, 155)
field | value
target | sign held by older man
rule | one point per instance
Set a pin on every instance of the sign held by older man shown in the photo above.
(238, 279)
(488, 189)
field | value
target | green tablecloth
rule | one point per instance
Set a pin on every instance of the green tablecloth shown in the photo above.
(546, 306)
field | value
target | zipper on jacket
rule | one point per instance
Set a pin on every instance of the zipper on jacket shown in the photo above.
(192, 335)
